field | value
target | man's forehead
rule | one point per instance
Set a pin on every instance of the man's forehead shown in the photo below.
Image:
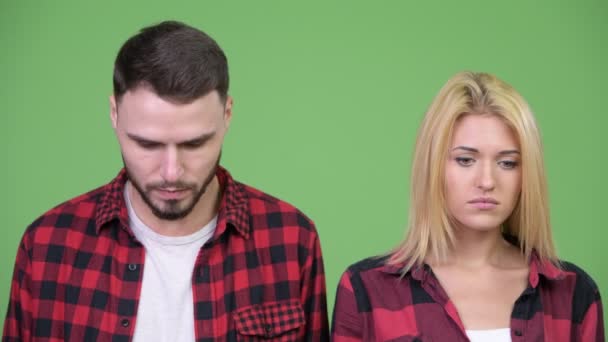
(145, 89)
(146, 102)
(178, 139)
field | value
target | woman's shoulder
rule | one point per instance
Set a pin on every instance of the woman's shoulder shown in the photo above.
(571, 293)
(582, 281)
(372, 263)
(562, 273)
(373, 283)
(375, 272)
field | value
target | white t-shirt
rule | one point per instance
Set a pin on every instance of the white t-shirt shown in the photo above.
(166, 310)
(493, 335)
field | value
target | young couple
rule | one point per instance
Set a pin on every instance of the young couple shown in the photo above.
(175, 249)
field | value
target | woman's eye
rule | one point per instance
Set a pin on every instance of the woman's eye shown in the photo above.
(508, 164)
(465, 161)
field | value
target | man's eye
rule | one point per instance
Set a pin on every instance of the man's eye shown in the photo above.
(465, 161)
(192, 145)
(508, 164)
(148, 145)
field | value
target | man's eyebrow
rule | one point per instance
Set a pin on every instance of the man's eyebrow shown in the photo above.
(200, 139)
(141, 139)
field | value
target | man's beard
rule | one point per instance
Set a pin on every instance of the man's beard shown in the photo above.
(172, 210)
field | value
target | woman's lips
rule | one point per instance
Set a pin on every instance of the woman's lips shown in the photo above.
(484, 203)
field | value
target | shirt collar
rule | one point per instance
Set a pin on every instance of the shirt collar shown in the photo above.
(544, 268)
(538, 268)
(418, 272)
(234, 206)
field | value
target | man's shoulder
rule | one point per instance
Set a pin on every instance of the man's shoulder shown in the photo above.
(275, 212)
(75, 213)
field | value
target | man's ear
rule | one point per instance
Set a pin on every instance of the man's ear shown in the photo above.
(228, 111)
(113, 111)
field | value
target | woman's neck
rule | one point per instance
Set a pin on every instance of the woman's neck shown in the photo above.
(473, 249)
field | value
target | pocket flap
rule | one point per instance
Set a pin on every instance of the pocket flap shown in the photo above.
(269, 319)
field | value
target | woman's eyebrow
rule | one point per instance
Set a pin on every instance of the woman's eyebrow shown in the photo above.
(509, 152)
(466, 148)
(474, 150)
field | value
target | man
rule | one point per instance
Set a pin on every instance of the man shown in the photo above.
(172, 249)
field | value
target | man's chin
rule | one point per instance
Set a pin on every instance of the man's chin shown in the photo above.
(165, 207)
(173, 213)
(171, 216)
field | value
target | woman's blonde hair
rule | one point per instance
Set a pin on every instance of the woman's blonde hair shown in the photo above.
(430, 232)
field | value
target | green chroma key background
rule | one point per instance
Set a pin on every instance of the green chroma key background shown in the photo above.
(328, 97)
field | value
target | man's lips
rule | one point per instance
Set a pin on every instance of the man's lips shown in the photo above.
(172, 193)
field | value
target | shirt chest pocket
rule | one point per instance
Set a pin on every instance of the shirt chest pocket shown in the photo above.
(278, 321)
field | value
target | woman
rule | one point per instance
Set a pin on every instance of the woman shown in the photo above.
(478, 262)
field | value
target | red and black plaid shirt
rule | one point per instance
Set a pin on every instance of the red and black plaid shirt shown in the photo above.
(374, 304)
(79, 271)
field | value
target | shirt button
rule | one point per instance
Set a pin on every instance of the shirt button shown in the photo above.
(518, 333)
(124, 322)
(132, 267)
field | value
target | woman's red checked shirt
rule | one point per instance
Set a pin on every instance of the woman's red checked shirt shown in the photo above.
(374, 303)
